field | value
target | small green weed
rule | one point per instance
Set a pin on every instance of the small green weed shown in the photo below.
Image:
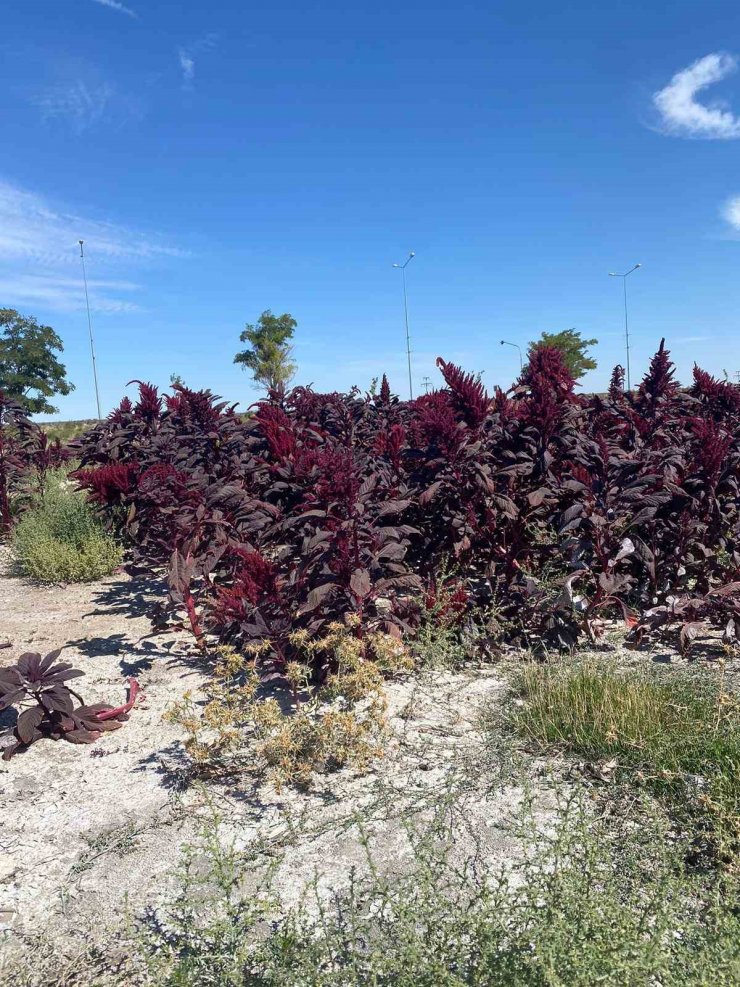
(587, 903)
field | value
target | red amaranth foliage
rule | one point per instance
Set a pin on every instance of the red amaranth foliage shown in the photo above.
(149, 405)
(385, 391)
(712, 447)
(37, 687)
(277, 429)
(122, 413)
(554, 509)
(435, 423)
(20, 441)
(390, 444)
(658, 385)
(257, 577)
(616, 384)
(469, 397)
(503, 406)
(108, 484)
(718, 395)
(547, 373)
(159, 475)
(198, 409)
(448, 603)
(549, 387)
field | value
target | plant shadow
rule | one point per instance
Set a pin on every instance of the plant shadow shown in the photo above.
(136, 597)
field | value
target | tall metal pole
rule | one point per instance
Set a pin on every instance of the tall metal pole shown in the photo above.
(627, 334)
(624, 277)
(402, 268)
(89, 327)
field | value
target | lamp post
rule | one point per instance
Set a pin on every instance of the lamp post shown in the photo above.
(505, 342)
(402, 269)
(613, 274)
(89, 327)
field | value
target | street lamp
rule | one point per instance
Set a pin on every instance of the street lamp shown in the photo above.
(402, 269)
(505, 342)
(624, 277)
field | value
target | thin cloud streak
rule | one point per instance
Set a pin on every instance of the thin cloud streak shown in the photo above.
(121, 8)
(66, 294)
(40, 256)
(32, 230)
(186, 57)
(682, 115)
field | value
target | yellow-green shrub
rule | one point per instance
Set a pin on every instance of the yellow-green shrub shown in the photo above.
(61, 539)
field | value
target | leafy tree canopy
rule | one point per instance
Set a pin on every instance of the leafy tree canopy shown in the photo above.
(572, 347)
(269, 358)
(29, 369)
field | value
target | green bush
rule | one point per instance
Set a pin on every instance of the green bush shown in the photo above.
(61, 539)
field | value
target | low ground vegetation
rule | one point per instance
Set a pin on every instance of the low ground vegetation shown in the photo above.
(674, 734)
(599, 883)
(242, 727)
(66, 431)
(55, 534)
(590, 901)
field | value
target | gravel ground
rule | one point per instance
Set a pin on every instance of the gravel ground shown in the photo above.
(92, 836)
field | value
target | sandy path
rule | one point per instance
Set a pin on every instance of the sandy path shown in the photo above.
(65, 808)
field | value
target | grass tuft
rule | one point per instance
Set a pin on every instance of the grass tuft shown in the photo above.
(679, 736)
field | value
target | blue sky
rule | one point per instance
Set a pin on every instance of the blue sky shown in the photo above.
(223, 158)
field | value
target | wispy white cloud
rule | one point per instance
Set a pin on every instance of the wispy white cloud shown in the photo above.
(731, 212)
(82, 105)
(682, 115)
(33, 230)
(115, 5)
(65, 294)
(187, 66)
(186, 57)
(40, 256)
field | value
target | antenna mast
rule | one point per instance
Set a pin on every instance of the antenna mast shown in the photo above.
(89, 326)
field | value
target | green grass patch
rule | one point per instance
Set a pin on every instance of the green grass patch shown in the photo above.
(586, 904)
(61, 539)
(676, 733)
(66, 431)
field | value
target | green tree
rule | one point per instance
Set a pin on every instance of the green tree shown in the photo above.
(573, 348)
(269, 358)
(29, 369)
